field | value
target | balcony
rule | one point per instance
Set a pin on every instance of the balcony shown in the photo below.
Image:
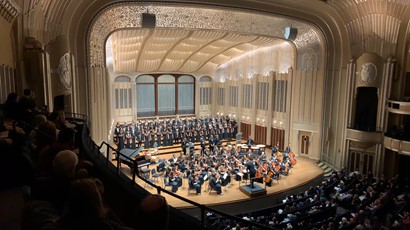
(398, 107)
(363, 136)
(400, 146)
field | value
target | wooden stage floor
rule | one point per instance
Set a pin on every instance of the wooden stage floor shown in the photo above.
(304, 172)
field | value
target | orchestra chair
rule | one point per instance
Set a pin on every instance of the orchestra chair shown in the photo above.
(191, 188)
(147, 177)
(155, 175)
(210, 188)
(166, 182)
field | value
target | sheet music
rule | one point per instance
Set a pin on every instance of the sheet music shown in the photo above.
(225, 176)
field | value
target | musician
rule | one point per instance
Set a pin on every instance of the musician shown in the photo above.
(116, 132)
(184, 143)
(203, 146)
(121, 139)
(159, 136)
(170, 137)
(173, 181)
(194, 183)
(215, 183)
(211, 143)
(128, 139)
(165, 136)
(133, 133)
(250, 166)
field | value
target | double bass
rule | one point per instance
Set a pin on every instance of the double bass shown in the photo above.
(292, 158)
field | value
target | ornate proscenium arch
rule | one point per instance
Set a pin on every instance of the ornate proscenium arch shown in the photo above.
(128, 15)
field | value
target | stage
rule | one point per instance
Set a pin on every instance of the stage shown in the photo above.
(304, 174)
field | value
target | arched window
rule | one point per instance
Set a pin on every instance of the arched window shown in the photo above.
(186, 94)
(165, 94)
(145, 96)
(205, 79)
(122, 79)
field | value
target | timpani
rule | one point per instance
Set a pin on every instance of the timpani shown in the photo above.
(254, 148)
(244, 148)
(261, 147)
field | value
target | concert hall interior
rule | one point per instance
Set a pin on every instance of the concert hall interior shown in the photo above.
(217, 114)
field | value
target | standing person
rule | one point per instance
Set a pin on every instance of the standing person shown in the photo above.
(252, 170)
(26, 106)
(159, 135)
(128, 139)
(146, 139)
(170, 137)
(203, 146)
(121, 139)
(249, 142)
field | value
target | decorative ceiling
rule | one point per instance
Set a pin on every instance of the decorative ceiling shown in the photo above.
(188, 38)
(179, 50)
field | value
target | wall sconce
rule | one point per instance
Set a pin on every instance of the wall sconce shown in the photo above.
(257, 119)
(263, 120)
(217, 113)
(243, 117)
(222, 114)
(280, 123)
(247, 118)
(234, 115)
(274, 122)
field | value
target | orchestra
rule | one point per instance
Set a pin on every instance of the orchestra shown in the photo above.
(216, 164)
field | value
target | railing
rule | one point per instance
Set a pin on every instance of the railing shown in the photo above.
(89, 143)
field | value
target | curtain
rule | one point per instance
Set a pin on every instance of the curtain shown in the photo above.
(166, 99)
(185, 98)
(145, 100)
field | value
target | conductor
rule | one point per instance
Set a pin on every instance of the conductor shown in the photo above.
(252, 171)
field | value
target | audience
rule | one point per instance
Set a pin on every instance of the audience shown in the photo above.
(64, 195)
(153, 213)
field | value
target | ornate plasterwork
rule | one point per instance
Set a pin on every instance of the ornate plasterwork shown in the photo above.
(9, 10)
(128, 15)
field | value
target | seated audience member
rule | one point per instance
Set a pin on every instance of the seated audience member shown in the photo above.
(55, 187)
(39, 215)
(86, 209)
(65, 141)
(47, 137)
(10, 106)
(153, 213)
(58, 117)
(39, 119)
